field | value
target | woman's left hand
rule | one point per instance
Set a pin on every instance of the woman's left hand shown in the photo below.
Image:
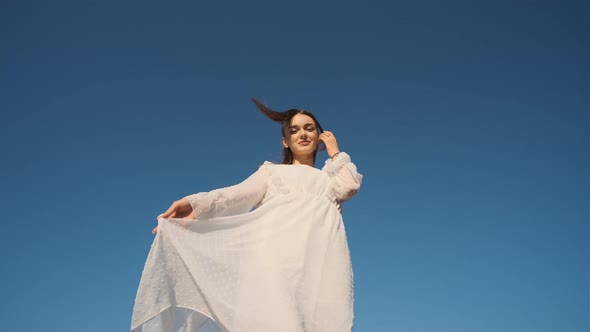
(331, 145)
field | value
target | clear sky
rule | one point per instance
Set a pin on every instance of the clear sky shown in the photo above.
(468, 119)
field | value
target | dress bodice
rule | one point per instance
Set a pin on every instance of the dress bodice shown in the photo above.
(297, 179)
(337, 181)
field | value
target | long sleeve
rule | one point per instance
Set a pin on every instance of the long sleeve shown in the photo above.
(237, 199)
(346, 181)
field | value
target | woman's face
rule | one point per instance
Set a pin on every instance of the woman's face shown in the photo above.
(302, 135)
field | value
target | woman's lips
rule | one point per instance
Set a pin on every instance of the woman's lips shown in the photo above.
(304, 143)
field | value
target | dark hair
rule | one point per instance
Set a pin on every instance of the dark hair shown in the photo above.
(285, 119)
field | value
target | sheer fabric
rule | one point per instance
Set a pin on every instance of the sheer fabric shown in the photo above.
(269, 254)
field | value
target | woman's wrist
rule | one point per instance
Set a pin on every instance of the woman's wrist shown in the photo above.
(334, 155)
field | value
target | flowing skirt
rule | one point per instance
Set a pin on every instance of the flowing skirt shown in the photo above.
(284, 266)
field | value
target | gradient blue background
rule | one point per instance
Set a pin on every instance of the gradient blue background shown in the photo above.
(469, 120)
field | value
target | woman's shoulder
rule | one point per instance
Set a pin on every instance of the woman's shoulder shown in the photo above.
(266, 166)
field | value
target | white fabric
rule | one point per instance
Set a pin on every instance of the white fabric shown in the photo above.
(266, 255)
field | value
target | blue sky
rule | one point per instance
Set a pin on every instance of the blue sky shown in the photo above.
(468, 119)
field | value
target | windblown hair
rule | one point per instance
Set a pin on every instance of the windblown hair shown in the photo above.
(285, 118)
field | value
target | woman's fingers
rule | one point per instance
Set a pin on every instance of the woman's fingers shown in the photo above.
(330, 141)
(191, 215)
(178, 209)
(170, 213)
(326, 135)
(171, 210)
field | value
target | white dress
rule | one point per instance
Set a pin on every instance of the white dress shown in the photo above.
(266, 255)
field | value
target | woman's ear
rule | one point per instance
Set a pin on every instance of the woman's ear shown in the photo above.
(285, 143)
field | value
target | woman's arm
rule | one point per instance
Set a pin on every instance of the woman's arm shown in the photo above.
(237, 199)
(345, 178)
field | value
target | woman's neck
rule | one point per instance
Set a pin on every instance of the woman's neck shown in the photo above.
(303, 160)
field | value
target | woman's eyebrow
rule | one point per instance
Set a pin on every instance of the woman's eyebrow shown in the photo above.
(305, 125)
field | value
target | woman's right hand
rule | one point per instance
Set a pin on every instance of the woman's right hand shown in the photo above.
(179, 209)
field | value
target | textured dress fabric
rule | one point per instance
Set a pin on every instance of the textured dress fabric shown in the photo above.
(269, 254)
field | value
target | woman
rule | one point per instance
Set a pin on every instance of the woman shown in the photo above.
(266, 255)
